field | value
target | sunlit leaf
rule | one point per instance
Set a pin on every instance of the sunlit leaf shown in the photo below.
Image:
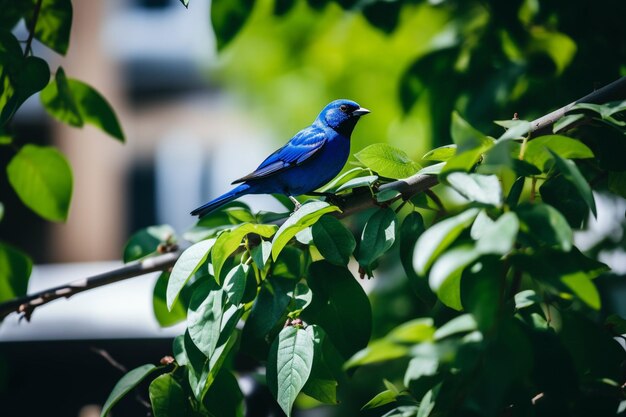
(387, 161)
(54, 24)
(438, 237)
(58, 100)
(537, 152)
(442, 153)
(445, 275)
(167, 397)
(42, 178)
(289, 364)
(304, 217)
(163, 315)
(515, 129)
(229, 240)
(483, 189)
(378, 236)
(188, 263)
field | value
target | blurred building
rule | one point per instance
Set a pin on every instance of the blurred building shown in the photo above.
(185, 138)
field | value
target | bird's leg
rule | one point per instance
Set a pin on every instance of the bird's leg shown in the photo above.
(296, 203)
(333, 199)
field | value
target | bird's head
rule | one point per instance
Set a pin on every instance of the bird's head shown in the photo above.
(342, 115)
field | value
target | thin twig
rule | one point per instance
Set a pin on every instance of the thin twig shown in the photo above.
(31, 34)
(354, 203)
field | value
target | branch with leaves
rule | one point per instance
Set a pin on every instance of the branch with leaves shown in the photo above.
(355, 202)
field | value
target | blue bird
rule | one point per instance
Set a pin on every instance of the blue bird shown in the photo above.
(313, 157)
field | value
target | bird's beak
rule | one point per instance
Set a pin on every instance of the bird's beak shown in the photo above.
(361, 111)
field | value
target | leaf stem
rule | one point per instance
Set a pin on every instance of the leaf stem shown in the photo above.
(33, 24)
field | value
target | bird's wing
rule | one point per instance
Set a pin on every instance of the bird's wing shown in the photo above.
(301, 147)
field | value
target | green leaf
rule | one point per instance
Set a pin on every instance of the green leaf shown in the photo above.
(556, 45)
(572, 174)
(209, 319)
(185, 3)
(462, 324)
(583, 288)
(204, 318)
(302, 297)
(58, 100)
(261, 254)
(146, 241)
(382, 398)
(228, 17)
(499, 237)
(566, 122)
(333, 240)
(357, 182)
(483, 189)
(42, 178)
(304, 217)
(54, 24)
(125, 385)
(224, 397)
(381, 350)
(438, 237)
(165, 316)
(167, 397)
(526, 298)
(15, 269)
(235, 283)
(340, 307)
(395, 344)
(545, 225)
(27, 78)
(466, 137)
(445, 275)
(420, 367)
(322, 383)
(539, 150)
(411, 229)
(471, 144)
(187, 265)
(229, 240)
(94, 109)
(442, 153)
(387, 161)
(515, 129)
(289, 364)
(377, 237)
(345, 177)
(565, 197)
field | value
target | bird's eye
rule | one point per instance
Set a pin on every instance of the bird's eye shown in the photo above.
(343, 108)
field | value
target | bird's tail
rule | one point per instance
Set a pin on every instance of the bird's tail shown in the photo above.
(214, 204)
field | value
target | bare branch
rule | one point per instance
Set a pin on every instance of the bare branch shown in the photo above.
(27, 304)
(355, 202)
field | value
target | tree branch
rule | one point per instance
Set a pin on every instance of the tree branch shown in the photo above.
(27, 304)
(355, 202)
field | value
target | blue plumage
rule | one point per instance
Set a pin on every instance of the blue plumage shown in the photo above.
(313, 157)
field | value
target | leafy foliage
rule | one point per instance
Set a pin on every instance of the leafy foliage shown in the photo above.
(498, 274)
